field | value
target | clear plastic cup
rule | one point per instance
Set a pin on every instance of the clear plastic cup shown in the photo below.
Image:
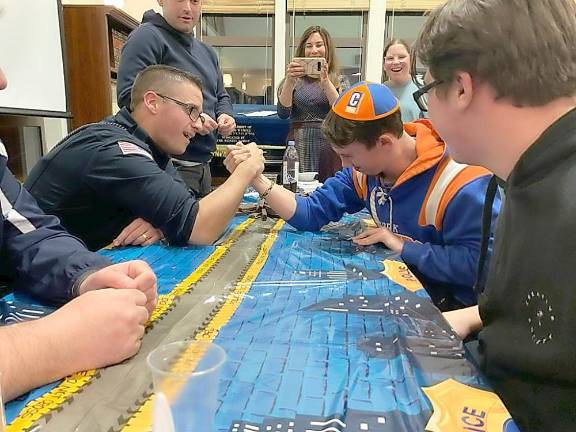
(185, 375)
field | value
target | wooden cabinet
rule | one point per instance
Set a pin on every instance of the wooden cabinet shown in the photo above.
(94, 36)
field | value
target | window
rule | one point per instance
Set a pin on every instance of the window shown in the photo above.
(244, 47)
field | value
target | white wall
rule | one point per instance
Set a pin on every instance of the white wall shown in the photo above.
(136, 8)
(53, 130)
(32, 43)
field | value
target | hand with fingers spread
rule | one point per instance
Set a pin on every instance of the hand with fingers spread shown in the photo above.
(138, 233)
(380, 235)
(134, 275)
(226, 125)
(208, 125)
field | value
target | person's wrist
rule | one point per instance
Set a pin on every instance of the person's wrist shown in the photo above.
(248, 170)
(84, 281)
(261, 183)
(264, 195)
(398, 244)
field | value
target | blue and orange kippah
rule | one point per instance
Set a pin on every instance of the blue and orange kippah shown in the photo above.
(365, 102)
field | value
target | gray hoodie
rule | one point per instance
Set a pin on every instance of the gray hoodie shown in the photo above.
(156, 42)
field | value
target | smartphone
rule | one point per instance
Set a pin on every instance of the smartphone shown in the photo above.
(312, 65)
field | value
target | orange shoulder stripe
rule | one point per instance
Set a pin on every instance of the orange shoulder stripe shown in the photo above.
(360, 184)
(437, 174)
(467, 175)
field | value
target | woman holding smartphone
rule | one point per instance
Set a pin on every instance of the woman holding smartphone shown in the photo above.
(307, 98)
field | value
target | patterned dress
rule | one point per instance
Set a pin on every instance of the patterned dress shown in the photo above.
(309, 107)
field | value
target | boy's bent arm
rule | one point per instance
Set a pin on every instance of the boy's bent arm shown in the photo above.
(326, 204)
(454, 261)
(280, 199)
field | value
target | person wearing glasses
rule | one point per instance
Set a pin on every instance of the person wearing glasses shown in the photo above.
(168, 39)
(427, 207)
(114, 182)
(104, 307)
(509, 105)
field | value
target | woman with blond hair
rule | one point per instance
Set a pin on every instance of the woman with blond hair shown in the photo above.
(307, 100)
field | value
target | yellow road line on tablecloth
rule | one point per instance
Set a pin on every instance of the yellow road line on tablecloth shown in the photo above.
(71, 385)
(142, 419)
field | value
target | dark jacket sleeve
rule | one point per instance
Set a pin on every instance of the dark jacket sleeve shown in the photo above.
(143, 48)
(135, 182)
(45, 259)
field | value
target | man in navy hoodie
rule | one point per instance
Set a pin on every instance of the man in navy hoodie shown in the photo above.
(169, 39)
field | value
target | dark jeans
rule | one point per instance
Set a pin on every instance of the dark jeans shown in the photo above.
(197, 178)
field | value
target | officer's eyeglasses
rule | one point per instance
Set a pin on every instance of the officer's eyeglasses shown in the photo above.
(192, 110)
(421, 95)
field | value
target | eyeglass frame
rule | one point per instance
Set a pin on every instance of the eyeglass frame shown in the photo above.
(188, 108)
(417, 95)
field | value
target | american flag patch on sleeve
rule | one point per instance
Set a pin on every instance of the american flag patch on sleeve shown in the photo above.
(128, 148)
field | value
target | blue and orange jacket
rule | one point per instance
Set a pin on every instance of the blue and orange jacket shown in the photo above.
(436, 202)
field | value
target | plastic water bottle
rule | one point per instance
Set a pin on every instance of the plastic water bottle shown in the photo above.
(290, 167)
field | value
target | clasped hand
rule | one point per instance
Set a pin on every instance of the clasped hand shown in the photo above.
(244, 153)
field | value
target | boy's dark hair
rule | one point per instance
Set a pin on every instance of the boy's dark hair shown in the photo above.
(342, 132)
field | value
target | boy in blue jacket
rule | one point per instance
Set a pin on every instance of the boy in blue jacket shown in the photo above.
(426, 206)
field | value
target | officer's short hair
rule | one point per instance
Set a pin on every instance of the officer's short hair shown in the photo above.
(159, 78)
(524, 49)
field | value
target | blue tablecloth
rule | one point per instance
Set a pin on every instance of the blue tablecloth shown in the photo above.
(323, 335)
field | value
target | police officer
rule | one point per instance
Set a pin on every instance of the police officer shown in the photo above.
(99, 326)
(114, 180)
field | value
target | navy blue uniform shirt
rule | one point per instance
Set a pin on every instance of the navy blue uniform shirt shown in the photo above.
(104, 175)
